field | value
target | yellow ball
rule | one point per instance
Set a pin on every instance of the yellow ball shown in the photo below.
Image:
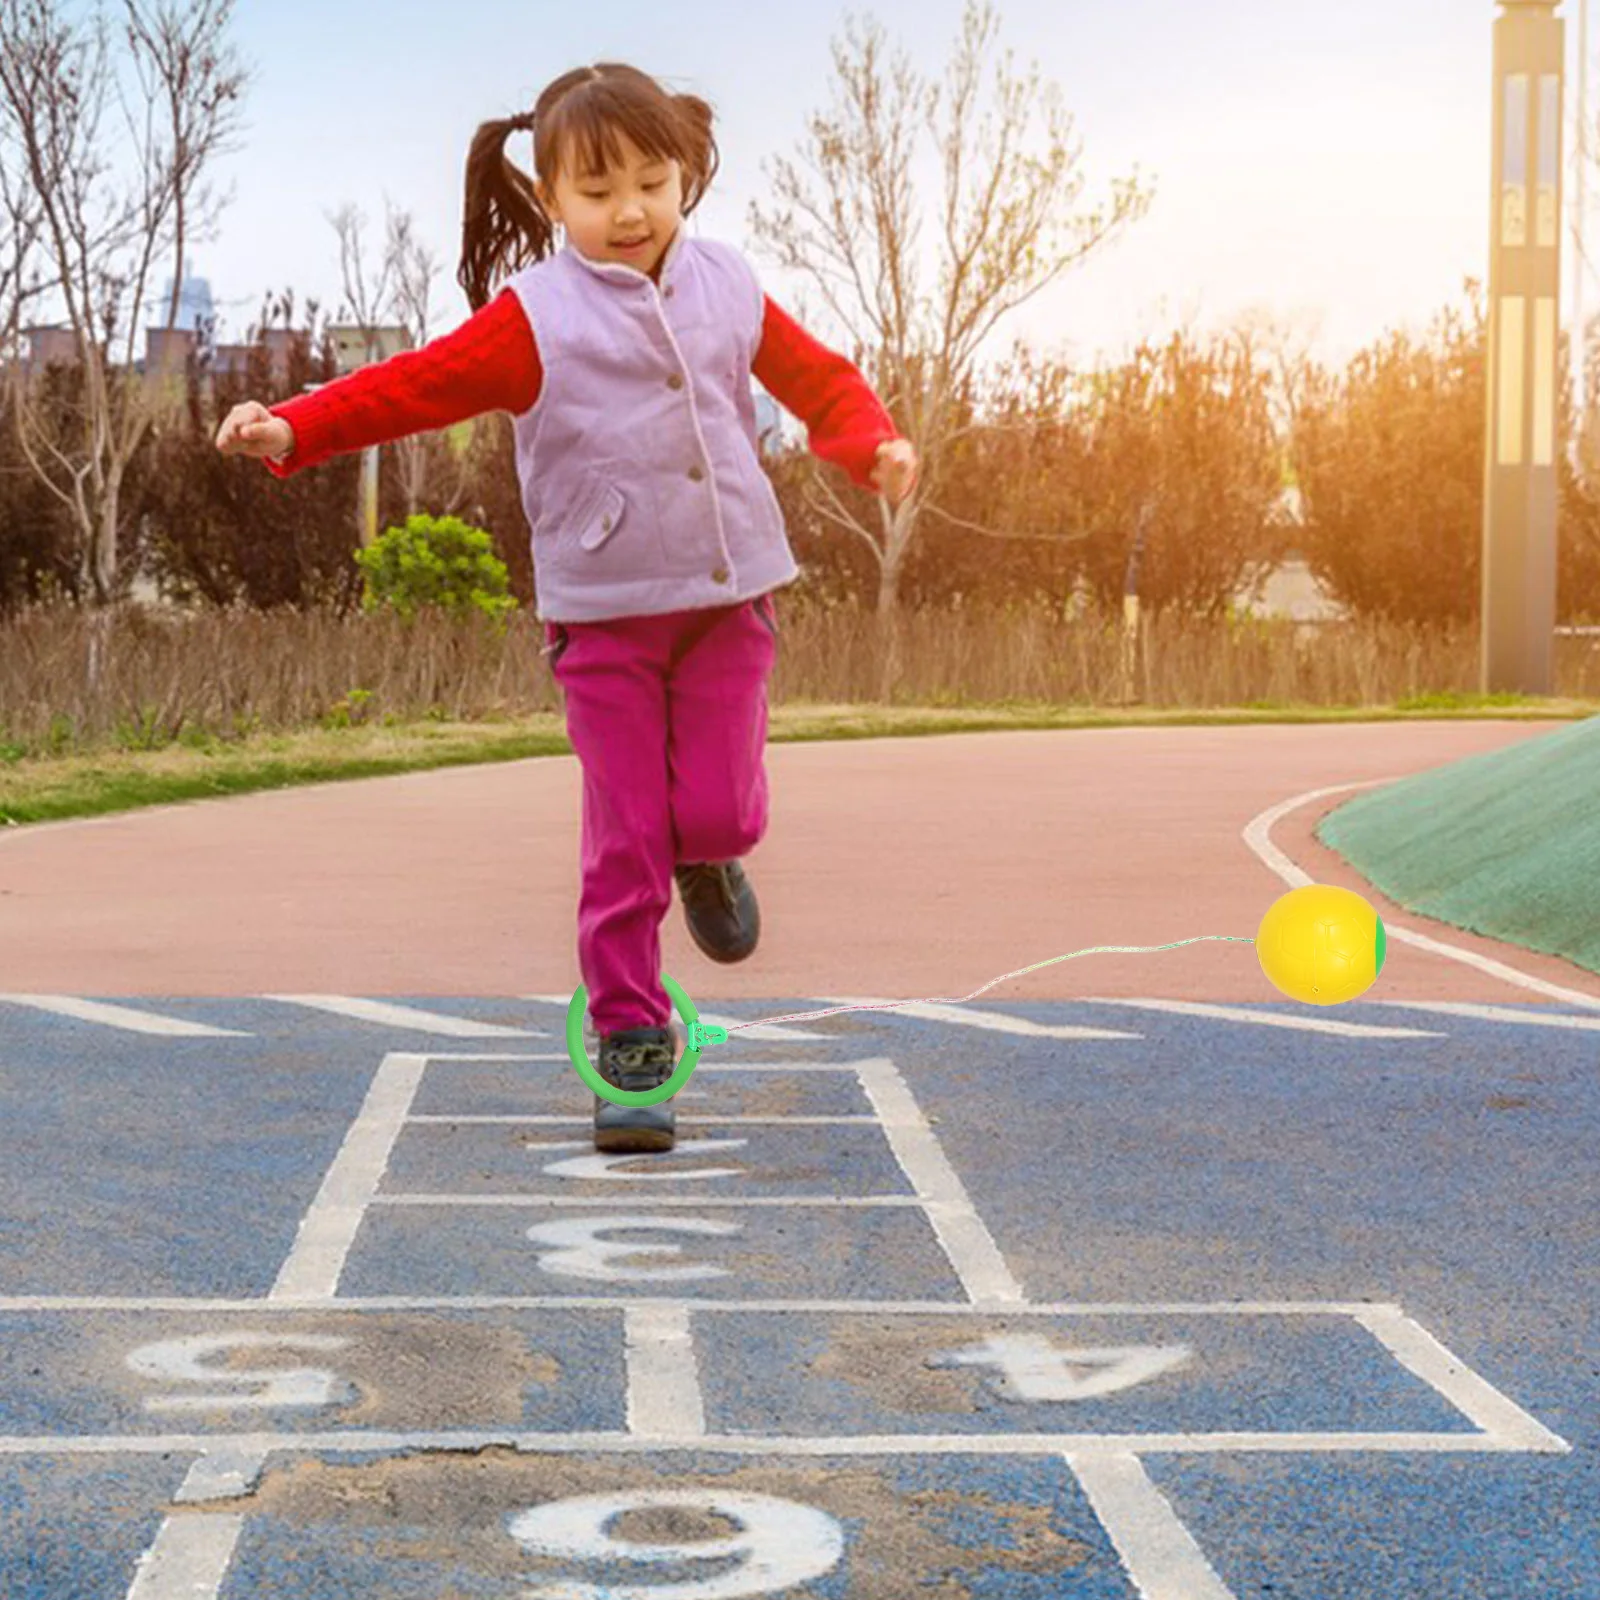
(1321, 945)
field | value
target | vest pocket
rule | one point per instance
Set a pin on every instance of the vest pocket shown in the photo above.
(601, 518)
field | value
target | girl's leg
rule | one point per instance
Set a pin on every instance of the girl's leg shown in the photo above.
(717, 711)
(668, 717)
(613, 680)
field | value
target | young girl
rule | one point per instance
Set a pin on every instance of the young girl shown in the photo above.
(625, 360)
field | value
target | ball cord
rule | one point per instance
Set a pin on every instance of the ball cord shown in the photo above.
(715, 1035)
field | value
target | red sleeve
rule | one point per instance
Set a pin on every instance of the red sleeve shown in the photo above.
(489, 363)
(846, 421)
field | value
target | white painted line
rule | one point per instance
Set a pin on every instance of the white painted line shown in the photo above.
(693, 1122)
(564, 1302)
(1258, 836)
(989, 1021)
(1269, 1019)
(664, 1400)
(1159, 1553)
(221, 1477)
(1465, 1008)
(955, 1221)
(1473, 1396)
(188, 1560)
(360, 1441)
(329, 1228)
(123, 1017)
(389, 1015)
(690, 1202)
(705, 1065)
(764, 1032)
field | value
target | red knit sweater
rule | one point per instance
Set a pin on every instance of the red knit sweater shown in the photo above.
(491, 363)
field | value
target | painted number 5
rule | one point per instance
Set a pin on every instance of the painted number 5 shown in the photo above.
(180, 1360)
(779, 1544)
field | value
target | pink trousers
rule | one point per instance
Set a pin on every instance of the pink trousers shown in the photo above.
(668, 717)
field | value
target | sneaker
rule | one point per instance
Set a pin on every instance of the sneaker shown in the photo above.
(636, 1059)
(724, 919)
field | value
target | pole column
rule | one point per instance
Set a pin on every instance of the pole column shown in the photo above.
(1520, 482)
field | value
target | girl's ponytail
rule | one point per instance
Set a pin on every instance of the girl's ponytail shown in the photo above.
(502, 223)
(695, 118)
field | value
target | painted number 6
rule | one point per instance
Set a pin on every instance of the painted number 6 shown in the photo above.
(780, 1543)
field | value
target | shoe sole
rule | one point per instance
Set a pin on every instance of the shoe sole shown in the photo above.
(728, 957)
(634, 1141)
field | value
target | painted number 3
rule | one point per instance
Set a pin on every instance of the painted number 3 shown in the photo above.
(779, 1544)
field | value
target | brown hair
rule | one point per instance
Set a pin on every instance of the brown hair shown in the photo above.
(576, 119)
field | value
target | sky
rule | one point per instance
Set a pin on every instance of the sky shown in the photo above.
(1322, 163)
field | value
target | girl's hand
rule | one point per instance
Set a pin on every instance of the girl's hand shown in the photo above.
(896, 469)
(251, 430)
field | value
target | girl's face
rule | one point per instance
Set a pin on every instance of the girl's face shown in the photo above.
(605, 212)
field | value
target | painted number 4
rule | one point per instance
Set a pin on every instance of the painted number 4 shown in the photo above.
(779, 1544)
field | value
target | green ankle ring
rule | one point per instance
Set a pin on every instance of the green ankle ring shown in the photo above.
(636, 1097)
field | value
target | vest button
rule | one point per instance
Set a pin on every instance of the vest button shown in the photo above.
(720, 575)
(696, 474)
(675, 381)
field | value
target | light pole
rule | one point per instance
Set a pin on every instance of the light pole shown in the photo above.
(1519, 514)
(1580, 265)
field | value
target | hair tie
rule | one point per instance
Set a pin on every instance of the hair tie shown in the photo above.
(521, 123)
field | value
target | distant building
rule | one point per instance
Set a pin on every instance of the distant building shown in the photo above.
(770, 430)
(195, 305)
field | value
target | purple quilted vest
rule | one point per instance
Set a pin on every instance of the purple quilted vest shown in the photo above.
(640, 470)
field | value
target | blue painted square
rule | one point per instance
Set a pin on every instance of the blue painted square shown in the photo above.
(842, 1528)
(717, 1252)
(802, 1373)
(70, 1373)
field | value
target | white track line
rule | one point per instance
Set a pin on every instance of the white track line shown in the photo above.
(965, 1240)
(1258, 836)
(1466, 1008)
(389, 1015)
(123, 1017)
(198, 1306)
(1475, 1397)
(1271, 1019)
(695, 1122)
(664, 1400)
(188, 1559)
(960, 1017)
(362, 1441)
(1159, 1553)
(220, 1476)
(826, 1202)
(329, 1228)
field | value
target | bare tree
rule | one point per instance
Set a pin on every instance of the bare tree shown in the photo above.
(102, 241)
(20, 228)
(400, 296)
(1005, 235)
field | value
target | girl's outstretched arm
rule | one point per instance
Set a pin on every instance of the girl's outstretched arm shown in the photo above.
(489, 363)
(846, 421)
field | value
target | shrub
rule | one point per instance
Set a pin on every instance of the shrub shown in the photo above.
(434, 561)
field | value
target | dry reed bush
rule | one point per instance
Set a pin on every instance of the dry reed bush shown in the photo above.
(73, 681)
(1038, 655)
